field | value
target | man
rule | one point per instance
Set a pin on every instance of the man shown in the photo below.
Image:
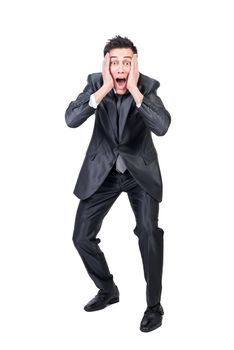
(121, 157)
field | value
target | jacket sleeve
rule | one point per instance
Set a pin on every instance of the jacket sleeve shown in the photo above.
(154, 114)
(79, 110)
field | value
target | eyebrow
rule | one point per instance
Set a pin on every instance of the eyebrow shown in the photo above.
(123, 57)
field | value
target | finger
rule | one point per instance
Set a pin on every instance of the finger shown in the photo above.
(132, 64)
(106, 62)
(134, 57)
(136, 70)
(108, 57)
(134, 61)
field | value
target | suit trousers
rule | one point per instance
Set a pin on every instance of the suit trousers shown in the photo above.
(88, 221)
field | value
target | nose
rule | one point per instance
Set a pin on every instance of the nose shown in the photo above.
(120, 68)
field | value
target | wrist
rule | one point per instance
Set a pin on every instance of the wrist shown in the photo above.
(132, 88)
(106, 87)
(102, 92)
(136, 94)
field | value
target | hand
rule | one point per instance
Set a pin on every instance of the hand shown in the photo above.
(133, 74)
(107, 78)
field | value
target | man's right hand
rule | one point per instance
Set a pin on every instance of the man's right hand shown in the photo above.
(107, 78)
(108, 82)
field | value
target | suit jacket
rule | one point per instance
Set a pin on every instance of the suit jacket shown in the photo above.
(135, 144)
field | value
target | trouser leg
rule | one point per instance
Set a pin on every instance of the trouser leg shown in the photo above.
(89, 217)
(150, 237)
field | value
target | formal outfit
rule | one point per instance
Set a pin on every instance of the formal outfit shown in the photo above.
(121, 157)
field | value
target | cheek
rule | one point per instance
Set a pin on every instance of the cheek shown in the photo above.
(112, 70)
(128, 69)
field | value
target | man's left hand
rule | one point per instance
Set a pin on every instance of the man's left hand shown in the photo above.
(133, 74)
(132, 81)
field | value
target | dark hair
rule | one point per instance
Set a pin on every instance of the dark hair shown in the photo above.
(118, 42)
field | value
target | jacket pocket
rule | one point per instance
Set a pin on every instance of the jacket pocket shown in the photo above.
(149, 156)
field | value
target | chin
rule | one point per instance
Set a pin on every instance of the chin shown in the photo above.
(121, 92)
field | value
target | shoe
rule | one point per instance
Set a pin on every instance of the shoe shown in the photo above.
(152, 318)
(103, 299)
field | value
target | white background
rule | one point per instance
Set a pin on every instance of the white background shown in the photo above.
(47, 50)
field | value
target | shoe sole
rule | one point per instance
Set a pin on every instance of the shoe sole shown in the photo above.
(114, 300)
(145, 330)
(110, 302)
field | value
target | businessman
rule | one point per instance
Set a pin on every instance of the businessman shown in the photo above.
(121, 157)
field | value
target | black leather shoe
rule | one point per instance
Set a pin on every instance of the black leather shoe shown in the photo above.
(152, 318)
(103, 299)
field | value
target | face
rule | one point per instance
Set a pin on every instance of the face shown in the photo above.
(120, 65)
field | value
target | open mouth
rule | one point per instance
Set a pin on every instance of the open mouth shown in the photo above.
(121, 82)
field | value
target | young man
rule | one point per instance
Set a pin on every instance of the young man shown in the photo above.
(120, 157)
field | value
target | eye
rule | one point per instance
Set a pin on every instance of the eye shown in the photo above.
(127, 63)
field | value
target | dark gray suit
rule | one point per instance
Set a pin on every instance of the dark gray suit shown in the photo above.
(135, 144)
(99, 185)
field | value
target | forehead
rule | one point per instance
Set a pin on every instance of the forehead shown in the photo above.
(121, 53)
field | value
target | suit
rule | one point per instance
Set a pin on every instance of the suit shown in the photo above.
(135, 143)
(99, 185)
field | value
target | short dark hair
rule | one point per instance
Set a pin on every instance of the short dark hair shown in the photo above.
(119, 42)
